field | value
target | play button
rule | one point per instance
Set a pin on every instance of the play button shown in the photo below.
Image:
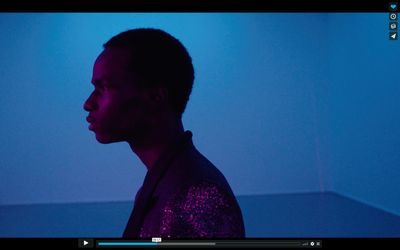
(85, 243)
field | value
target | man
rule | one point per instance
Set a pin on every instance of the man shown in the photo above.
(142, 82)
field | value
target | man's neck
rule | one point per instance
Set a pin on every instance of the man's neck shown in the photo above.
(155, 144)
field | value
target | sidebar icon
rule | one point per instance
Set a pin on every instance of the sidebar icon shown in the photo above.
(393, 24)
(393, 6)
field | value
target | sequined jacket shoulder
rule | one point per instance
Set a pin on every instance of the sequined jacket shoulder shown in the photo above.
(204, 210)
(193, 200)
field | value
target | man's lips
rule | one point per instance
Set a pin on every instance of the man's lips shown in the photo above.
(91, 126)
(89, 119)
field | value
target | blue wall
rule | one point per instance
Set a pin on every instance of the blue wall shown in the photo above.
(276, 105)
(360, 110)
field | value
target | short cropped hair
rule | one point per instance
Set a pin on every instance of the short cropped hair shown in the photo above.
(158, 59)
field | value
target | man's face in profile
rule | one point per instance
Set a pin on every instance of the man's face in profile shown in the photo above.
(118, 111)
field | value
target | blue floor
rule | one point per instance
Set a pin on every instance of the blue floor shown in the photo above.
(287, 215)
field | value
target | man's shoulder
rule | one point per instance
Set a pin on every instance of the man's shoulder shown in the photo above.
(204, 209)
(188, 171)
(194, 166)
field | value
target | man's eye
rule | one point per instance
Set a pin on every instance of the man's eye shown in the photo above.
(100, 88)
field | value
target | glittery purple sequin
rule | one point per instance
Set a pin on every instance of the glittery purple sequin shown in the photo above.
(200, 211)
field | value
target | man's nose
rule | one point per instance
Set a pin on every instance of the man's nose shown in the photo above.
(89, 104)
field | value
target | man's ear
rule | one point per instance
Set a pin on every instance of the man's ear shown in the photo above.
(159, 94)
(158, 97)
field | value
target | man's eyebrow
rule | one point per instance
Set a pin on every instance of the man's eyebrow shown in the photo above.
(101, 81)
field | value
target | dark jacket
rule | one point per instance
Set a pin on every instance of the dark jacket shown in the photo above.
(185, 196)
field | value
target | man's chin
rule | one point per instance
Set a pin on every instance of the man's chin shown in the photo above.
(106, 139)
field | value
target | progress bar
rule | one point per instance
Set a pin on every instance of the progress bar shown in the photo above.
(116, 244)
(155, 244)
(217, 243)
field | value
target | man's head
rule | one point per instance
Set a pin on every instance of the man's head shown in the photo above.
(142, 78)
